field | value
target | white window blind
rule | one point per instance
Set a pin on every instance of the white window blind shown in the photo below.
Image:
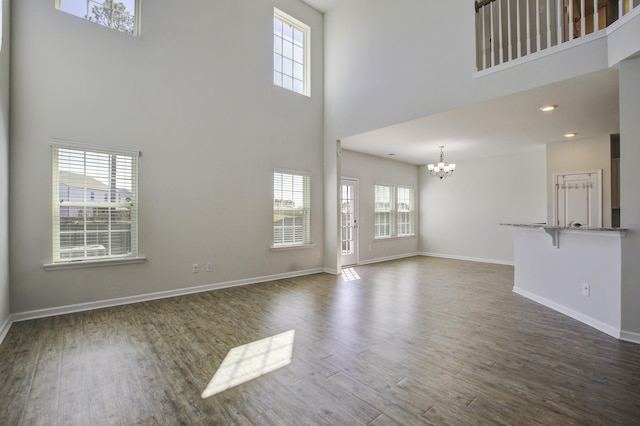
(383, 209)
(95, 206)
(290, 53)
(405, 211)
(291, 208)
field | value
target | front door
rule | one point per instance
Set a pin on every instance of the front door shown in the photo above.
(349, 221)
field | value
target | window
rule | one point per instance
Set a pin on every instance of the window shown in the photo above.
(290, 53)
(291, 209)
(394, 211)
(95, 207)
(120, 15)
(383, 211)
(404, 208)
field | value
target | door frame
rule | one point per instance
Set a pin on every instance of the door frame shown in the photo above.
(356, 210)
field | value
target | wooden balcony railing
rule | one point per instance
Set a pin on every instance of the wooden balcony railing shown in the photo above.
(511, 29)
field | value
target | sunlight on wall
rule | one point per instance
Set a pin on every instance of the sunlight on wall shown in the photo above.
(250, 361)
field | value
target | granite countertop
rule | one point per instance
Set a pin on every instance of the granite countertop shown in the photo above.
(558, 227)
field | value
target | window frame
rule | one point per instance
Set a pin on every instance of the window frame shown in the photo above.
(285, 18)
(394, 223)
(411, 223)
(136, 16)
(132, 202)
(306, 211)
(386, 226)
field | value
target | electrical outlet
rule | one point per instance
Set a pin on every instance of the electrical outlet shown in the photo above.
(586, 290)
(195, 268)
(209, 266)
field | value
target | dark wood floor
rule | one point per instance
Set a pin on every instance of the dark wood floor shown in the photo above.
(413, 341)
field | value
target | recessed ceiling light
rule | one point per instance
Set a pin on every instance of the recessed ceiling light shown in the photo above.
(392, 154)
(547, 108)
(570, 135)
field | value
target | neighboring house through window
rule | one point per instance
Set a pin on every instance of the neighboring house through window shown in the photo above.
(95, 208)
(290, 53)
(121, 15)
(291, 209)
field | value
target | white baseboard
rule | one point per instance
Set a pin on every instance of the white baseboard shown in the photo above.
(585, 319)
(470, 259)
(68, 309)
(5, 328)
(629, 336)
(387, 258)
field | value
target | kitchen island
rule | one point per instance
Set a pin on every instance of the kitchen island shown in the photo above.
(572, 269)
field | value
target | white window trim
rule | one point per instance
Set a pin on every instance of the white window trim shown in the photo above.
(394, 213)
(292, 246)
(306, 31)
(89, 263)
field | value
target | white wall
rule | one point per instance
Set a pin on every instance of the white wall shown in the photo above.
(369, 171)
(581, 155)
(194, 94)
(460, 215)
(629, 196)
(4, 167)
(392, 61)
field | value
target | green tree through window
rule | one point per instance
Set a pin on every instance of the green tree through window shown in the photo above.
(121, 15)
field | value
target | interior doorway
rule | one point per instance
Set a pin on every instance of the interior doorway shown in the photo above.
(349, 221)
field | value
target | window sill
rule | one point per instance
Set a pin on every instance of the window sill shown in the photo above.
(92, 263)
(292, 247)
(395, 237)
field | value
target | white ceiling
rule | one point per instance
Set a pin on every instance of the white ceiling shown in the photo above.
(587, 105)
(322, 5)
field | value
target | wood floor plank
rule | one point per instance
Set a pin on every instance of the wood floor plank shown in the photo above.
(413, 341)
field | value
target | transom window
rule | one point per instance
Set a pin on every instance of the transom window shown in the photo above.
(121, 15)
(394, 211)
(290, 53)
(95, 207)
(291, 208)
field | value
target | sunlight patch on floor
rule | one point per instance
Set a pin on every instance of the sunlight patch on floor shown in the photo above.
(350, 274)
(252, 360)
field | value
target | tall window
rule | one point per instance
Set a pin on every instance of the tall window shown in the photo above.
(95, 207)
(394, 211)
(291, 208)
(121, 15)
(383, 211)
(404, 209)
(290, 53)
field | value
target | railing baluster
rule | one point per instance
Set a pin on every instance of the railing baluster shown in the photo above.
(495, 25)
(548, 10)
(595, 16)
(559, 21)
(510, 30)
(583, 21)
(487, 36)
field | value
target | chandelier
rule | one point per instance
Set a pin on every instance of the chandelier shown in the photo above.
(441, 169)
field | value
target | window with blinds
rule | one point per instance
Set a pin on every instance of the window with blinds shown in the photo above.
(290, 53)
(95, 206)
(404, 211)
(383, 209)
(394, 211)
(291, 208)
